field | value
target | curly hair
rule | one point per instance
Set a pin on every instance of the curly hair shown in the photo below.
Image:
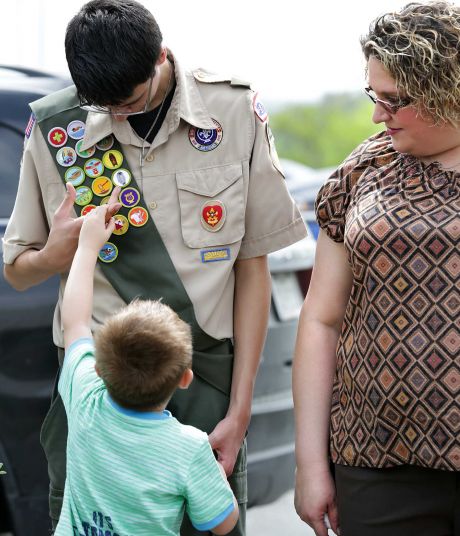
(420, 48)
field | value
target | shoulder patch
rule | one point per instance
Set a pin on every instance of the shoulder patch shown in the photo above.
(259, 108)
(30, 125)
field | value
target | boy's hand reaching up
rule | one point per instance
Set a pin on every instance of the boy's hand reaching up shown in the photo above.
(96, 229)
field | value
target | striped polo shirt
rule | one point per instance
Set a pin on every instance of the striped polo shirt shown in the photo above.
(132, 473)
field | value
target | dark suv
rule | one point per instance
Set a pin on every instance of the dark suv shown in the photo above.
(28, 360)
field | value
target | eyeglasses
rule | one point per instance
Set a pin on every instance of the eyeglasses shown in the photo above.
(390, 107)
(117, 110)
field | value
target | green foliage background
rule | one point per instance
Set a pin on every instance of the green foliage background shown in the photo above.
(322, 134)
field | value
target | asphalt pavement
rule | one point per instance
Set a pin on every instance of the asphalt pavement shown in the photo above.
(276, 519)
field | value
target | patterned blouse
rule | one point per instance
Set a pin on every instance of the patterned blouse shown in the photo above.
(396, 397)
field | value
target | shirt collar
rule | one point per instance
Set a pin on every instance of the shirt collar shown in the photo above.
(187, 104)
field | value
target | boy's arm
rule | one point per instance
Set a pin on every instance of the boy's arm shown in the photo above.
(77, 303)
(230, 521)
(211, 505)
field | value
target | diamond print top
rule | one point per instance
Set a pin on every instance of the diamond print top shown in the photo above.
(396, 397)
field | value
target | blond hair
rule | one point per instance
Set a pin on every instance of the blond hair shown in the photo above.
(142, 352)
(420, 47)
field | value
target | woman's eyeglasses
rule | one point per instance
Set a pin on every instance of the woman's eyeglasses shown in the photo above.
(390, 107)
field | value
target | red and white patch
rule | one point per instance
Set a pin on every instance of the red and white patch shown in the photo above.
(259, 108)
(57, 137)
(213, 215)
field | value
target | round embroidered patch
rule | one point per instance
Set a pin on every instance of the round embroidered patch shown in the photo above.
(213, 215)
(86, 153)
(129, 197)
(112, 159)
(121, 224)
(86, 210)
(76, 129)
(66, 156)
(102, 186)
(75, 175)
(121, 177)
(108, 252)
(106, 143)
(84, 196)
(138, 216)
(94, 168)
(205, 139)
(57, 137)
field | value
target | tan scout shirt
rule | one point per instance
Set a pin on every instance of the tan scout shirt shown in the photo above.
(177, 180)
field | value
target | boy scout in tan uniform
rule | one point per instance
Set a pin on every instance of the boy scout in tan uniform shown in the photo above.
(210, 190)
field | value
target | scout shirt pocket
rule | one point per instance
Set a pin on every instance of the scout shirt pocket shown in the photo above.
(212, 205)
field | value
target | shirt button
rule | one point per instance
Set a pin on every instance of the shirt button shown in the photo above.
(153, 205)
(150, 158)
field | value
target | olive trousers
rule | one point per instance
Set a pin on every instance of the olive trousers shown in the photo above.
(201, 405)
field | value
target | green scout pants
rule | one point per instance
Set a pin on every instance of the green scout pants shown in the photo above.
(201, 405)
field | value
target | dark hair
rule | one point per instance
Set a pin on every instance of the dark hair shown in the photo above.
(111, 47)
(142, 352)
(420, 47)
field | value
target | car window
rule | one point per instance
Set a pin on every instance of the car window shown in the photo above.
(11, 145)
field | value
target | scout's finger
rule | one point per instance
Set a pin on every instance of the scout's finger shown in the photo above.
(65, 208)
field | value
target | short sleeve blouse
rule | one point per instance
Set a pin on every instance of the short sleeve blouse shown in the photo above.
(396, 394)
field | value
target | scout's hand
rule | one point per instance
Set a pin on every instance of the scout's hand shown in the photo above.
(315, 497)
(226, 439)
(96, 230)
(65, 230)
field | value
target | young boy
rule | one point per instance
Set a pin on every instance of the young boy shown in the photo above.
(132, 468)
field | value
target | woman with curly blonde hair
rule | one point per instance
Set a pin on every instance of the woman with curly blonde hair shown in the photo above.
(377, 366)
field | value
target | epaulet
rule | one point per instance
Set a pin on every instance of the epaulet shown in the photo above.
(212, 78)
(56, 102)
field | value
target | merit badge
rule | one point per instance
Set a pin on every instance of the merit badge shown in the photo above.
(57, 137)
(86, 210)
(213, 215)
(138, 216)
(102, 186)
(259, 108)
(66, 156)
(205, 139)
(121, 224)
(129, 197)
(121, 177)
(76, 129)
(106, 143)
(84, 195)
(112, 159)
(75, 175)
(105, 200)
(84, 153)
(94, 168)
(108, 252)
(30, 125)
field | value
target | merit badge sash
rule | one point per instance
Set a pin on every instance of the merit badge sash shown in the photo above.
(135, 259)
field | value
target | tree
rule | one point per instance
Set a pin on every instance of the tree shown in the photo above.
(322, 134)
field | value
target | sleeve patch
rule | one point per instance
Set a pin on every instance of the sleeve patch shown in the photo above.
(30, 125)
(259, 109)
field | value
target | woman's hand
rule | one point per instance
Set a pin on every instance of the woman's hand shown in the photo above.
(315, 497)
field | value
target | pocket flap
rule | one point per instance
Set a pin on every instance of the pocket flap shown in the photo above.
(210, 181)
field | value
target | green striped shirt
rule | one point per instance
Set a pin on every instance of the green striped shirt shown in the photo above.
(132, 473)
